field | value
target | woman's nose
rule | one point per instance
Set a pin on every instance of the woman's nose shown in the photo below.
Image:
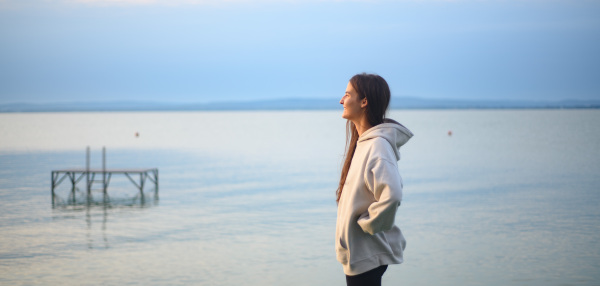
(342, 101)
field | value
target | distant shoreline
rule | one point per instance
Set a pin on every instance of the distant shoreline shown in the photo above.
(406, 103)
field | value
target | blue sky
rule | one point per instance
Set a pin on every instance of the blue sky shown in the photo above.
(203, 51)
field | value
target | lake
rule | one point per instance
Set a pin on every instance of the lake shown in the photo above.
(511, 197)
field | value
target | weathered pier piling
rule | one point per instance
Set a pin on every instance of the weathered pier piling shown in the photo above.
(77, 174)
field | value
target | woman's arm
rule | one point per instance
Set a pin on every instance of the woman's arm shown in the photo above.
(382, 178)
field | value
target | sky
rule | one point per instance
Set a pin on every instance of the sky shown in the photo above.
(209, 50)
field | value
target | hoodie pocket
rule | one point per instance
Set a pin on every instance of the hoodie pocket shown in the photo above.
(343, 244)
(342, 252)
(395, 240)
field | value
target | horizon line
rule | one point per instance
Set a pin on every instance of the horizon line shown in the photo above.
(266, 100)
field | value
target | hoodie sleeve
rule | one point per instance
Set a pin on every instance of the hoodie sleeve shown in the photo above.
(382, 178)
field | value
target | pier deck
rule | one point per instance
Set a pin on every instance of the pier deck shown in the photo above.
(103, 175)
(76, 175)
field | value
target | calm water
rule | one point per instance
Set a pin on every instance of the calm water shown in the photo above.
(247, 198)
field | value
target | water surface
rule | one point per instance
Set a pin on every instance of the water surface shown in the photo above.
(247, 198)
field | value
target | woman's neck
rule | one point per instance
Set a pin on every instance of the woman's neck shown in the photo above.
(362, 125)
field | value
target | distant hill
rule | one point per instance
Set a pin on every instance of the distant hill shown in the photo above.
(292, 104)
(419, 103)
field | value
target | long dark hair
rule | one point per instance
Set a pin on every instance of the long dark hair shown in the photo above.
(377, 92)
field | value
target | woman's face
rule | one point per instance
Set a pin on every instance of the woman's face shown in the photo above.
(353, 105)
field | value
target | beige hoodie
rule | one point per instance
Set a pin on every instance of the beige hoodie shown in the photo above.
(366, 236)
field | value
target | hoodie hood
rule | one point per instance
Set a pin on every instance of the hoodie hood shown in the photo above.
(395, 133)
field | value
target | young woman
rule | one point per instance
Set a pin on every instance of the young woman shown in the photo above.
(370, 188)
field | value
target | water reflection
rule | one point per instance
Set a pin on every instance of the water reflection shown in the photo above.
(89, 230)
(77, 198)
(96, 207)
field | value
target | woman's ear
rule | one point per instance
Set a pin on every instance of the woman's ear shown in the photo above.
(363, 103)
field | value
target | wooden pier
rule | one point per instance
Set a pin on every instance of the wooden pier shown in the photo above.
(102, 176)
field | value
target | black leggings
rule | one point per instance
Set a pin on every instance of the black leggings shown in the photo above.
(369, 278)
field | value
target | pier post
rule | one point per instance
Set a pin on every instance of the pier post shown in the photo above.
(104, 169)
(155, 182)
(87, 169)
(53, 185)
(142, 181)
(73, 184)
(155, 172)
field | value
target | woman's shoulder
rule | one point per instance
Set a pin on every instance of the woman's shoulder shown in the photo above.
(381, 148)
